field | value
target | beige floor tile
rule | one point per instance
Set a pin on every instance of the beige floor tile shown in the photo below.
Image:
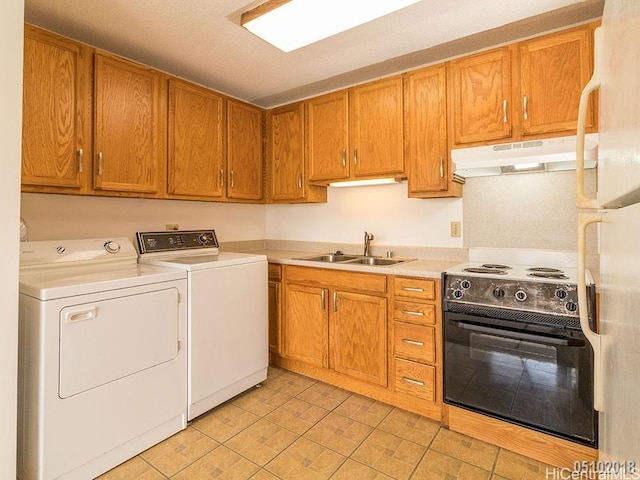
(324, 395)
(364, 410)
(467, 449)
(289, 383)
(389, 454)
(517, 467)
(264, 475)
(224, 422)
(306, 460)
(261, 401)
(351, 470)
(178, 451)
(262, 441)
(297, 415)
(221, 463)
(413, 427)
(438, 466)
(134, 469)
(339, 433)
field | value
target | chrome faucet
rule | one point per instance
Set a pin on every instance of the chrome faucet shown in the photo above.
(368, 237)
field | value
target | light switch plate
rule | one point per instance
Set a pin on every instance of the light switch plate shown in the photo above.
(456, 229)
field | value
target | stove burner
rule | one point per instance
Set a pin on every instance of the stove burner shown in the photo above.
(496, 266)
(485, 269)
(544, 270)
(557, 275)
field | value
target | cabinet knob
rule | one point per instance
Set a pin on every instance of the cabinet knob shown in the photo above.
(80, 157)
(525, 107)
(355, 155)
(344, 157)
(505, 118)
(99, 163)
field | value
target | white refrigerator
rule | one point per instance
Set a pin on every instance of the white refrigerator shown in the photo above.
(617, 210)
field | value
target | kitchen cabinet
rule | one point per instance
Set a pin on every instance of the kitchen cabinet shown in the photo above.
(244, 151)
(275, 307)
(428, 165)
(522, 91)
(373, 144)
(129, 127)
(286, 157)
(56, 114)
(196, 134)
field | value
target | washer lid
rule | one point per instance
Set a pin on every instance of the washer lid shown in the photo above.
(202, 262)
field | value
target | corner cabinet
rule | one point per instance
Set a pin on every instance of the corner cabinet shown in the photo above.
(129, 127)
(56, 114)
(244, 151)
(426, 154)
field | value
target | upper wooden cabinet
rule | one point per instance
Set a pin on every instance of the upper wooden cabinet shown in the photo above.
(428, 165)
(287, 174)
(526, 90)
(129, 127)
(244, 151)
(196, 161)
(361, 137)
(56, 114)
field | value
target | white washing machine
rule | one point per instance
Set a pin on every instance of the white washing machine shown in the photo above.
(102, 357)
(228, 341)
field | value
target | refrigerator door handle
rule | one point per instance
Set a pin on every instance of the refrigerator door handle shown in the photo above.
(582, 200)
(585, 219)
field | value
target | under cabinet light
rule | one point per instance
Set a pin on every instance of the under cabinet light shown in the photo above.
(291, 24)
(363, 183)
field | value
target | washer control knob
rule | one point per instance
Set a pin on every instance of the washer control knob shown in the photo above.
(521, 295)
(112, 247)
(203, 239)
(571, 306)
(561, 294)
(457, 293)
(498, 292)
(465, 284)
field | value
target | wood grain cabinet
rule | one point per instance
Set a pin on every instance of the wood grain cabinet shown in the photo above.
(129, 127)
(358, 133)
(287, 173)
(522, 91)
(427, 157)
(244, 151)
(275, 307)
(56, 117)
(196, 142)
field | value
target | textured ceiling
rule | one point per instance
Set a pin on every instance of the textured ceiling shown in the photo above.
(202, 40)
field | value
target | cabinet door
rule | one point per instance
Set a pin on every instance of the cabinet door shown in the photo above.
(426, 149)
(305, 327)
(274, 316)
(195, 141)
(286, 153)
(376, 128)
(244, 151)
(482, 103)
(127, 126)
(359, 337)
(329, 137)
(54, 112)
(554, 71)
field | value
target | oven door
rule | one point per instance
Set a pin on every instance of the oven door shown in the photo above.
(534, 375)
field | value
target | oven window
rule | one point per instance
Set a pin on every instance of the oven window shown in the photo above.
(536, 377)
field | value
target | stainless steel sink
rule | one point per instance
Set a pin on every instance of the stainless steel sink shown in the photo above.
(355, 259)
(329, 257)
(382, 262)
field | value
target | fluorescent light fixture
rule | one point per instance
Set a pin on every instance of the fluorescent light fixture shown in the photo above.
(363, 183)
(291, 24)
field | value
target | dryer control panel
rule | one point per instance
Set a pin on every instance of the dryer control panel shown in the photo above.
(177, 240)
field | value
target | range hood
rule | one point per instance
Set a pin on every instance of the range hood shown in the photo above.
(546, 155)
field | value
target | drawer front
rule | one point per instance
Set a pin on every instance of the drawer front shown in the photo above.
(275, 272)
(416, 379)
(415, 288)
(420, 313)
(416, 342)
(330, 278)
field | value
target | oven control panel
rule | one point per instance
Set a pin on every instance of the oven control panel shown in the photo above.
(174, 240)
(539, 297)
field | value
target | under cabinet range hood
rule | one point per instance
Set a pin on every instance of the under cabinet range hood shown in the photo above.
(546, 155)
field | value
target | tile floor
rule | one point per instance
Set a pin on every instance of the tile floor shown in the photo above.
(294, 427)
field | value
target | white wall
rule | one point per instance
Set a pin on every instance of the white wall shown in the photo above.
(11, 21)
(382, 210)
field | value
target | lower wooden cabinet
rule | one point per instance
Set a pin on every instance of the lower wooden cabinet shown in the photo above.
(275, 307)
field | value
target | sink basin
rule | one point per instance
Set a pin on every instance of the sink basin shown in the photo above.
(382, 262)
(329, 257)
(355, 259)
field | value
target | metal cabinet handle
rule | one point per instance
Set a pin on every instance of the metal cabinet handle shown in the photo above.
(231, 179)
(300, 181)
(525, 103)
(505, 118)
(80, 157)
(323, 300)
(355, 155)
(99, 163)
(335, 301)
(409, 312)
(221, 178)
(412, 289)
(413, 342)
(413, 382)
(441, 167)
(344, 157)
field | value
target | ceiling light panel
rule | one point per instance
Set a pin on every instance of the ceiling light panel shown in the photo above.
(298, 23)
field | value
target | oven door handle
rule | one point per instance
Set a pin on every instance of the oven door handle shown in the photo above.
(518, 335)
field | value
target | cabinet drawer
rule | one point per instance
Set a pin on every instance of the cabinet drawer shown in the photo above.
(416, 342)
(420, 313)
(275, 272)
(415, 288)
(416, 379)
(340, 279)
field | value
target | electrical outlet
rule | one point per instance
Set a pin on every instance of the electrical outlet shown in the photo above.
(172, 226)
(456, 229)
